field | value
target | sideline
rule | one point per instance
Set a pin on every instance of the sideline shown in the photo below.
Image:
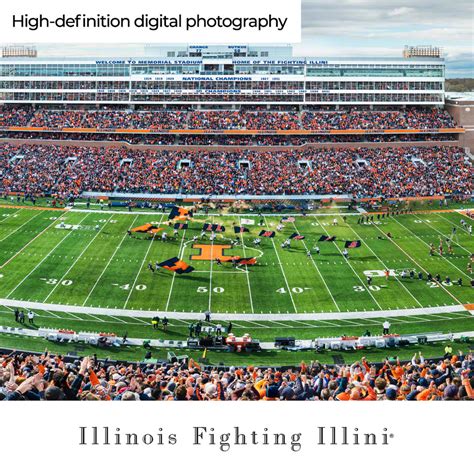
(238, 316)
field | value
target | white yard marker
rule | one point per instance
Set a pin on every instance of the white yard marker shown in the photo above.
(107, 266)
(283, 272)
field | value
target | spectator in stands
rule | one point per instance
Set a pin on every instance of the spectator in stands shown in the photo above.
(48, 377)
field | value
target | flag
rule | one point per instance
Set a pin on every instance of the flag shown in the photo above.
(155, 230)
(296, 236)
(149, 228)
(176, 265)
(143, 228)
(218, 228)
(180, 226)
(93, 379)
(352, 244)
(180, 212)
(326, 238)
(213, 228)
(287, 219)
(247, 221)
(245, 260)
(267, 233)
(240, 230)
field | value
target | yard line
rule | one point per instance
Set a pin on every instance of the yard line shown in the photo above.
(415, 262)
(248, 278)
(55, 287)
(18, 228)
(352, 323)
(74, 316)
(355, 273)
(442, 256)
(257, 324)
(44, 258)
(140, 269)
(180, 255)
(210, 274)
(53, 314)
(319, 273)
(31, 241)
(238, 325)
(452, 223)
(282, 324)
(438, 317)
(117, 319)
(283, 272)
(139, 320)
(303, 323)
(417, 318)
(327, 322)
(97, 318)
(108, 263)
(10, 215)
(385, 266)
(448, 237)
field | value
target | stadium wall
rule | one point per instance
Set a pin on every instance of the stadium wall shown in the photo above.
(462, 112)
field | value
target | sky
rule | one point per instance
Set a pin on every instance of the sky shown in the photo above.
(348, 28)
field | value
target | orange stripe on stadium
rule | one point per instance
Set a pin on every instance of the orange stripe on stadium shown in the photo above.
(469, 307)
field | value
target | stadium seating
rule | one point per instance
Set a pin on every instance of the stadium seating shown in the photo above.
(350, 119)
(28, 377)
(362, 172)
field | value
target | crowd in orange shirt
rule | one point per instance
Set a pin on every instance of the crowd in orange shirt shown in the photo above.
(49, 377)
(351, 118)
(361, 172)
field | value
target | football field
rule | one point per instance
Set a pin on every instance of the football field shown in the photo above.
(80, 270)
(62, 258)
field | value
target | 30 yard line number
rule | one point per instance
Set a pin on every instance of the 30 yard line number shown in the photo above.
(54, 281)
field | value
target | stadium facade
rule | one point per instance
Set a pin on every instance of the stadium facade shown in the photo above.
(229, 75)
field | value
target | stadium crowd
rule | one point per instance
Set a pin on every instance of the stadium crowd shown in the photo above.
(367, 120)
(49, 377)
(409, 118)
(362, 172)
(216, 139)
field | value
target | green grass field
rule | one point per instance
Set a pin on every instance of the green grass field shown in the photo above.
(287, 293)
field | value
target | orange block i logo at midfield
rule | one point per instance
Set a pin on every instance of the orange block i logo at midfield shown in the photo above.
(211, 252)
